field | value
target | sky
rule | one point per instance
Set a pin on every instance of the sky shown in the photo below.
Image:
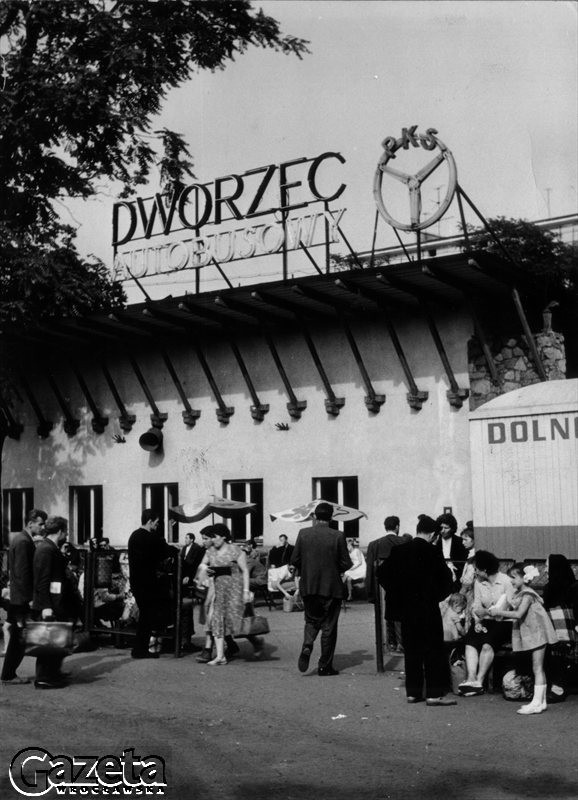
(498, 80)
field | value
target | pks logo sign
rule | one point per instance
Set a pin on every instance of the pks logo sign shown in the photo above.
(34, 772)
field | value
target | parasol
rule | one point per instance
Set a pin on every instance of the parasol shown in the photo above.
(221, 506)
(304, 512)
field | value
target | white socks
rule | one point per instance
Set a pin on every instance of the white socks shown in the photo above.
(538, 704)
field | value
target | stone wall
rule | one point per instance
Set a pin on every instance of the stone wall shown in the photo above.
(514, 364)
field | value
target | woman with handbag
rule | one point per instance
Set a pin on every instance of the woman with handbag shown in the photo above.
(227, 564)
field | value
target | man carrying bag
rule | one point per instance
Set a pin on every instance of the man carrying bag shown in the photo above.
(49, 568)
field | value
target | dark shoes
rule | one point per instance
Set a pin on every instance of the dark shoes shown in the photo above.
(327, 672)
(205, 656)
(441, 701)
(411, 699)
(232, 649)
(144, 654)
(303, 662)
(50, 684)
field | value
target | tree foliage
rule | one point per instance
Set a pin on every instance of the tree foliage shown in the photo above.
(81, 84)
(539, 252)
(84, 80)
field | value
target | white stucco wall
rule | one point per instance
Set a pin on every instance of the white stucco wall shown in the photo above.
(407, 461)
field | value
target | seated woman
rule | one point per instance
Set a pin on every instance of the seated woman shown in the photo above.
(485, 634)
(359, 569)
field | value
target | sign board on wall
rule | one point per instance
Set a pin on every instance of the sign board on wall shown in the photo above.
(266, 210)
(524, 451)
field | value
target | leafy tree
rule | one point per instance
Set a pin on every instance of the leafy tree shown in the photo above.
(82, 82)
(538, 251)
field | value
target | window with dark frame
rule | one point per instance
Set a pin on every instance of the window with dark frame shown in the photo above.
(344, 491)
(248, 526)
(16, 503)
(160, 497)
(86, 517)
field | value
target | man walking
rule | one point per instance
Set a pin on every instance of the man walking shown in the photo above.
(50, 595)
(20, 557)
(146, 550)
(416, 579)
(320, 558)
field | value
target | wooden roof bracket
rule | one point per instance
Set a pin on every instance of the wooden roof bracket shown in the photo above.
(295, 407)
(126, 420)
(441, 276)
(98, 422)
(158, 418)
(333, 404)
(415, 397)
(10, 427)
(373, 401)
(455, 395)
(44, 425)
(223, 411)
(528, 335)
(71, 424)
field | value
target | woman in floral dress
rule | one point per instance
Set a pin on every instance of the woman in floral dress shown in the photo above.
(227, 564)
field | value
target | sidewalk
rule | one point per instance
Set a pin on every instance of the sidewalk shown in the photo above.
(260, 729)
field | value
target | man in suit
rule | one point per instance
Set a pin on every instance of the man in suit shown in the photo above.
(50, 596)
(147, 549)
(320, 558)
(281, 555)
(451, 547)
(377, 551)
(416, 579)
(20, 559)
(191, 557)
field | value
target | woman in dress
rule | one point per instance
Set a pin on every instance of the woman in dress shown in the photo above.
(358, 570)
(485, 635)
(227, 565)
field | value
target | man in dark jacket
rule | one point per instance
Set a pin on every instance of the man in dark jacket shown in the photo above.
(147, 549)
(320, 558)
(451, 547)
(20, 559)
(378, 551)
(416, 579)
(191, 556)
(49, 598)
(281, 555)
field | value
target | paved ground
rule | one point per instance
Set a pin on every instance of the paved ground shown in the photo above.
(263, 730)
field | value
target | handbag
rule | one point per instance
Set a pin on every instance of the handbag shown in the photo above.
(563, 621)
(458, 672)
(200, 592)
(251, 624)
(45, 638)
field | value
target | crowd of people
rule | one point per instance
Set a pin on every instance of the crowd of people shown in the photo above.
(441, 592)
(442, 597)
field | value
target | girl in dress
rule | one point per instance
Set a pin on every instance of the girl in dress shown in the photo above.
(532, 630)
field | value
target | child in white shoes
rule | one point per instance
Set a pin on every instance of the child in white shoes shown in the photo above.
(532, 630)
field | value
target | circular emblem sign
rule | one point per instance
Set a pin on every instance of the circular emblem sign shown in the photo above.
(428, 141)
